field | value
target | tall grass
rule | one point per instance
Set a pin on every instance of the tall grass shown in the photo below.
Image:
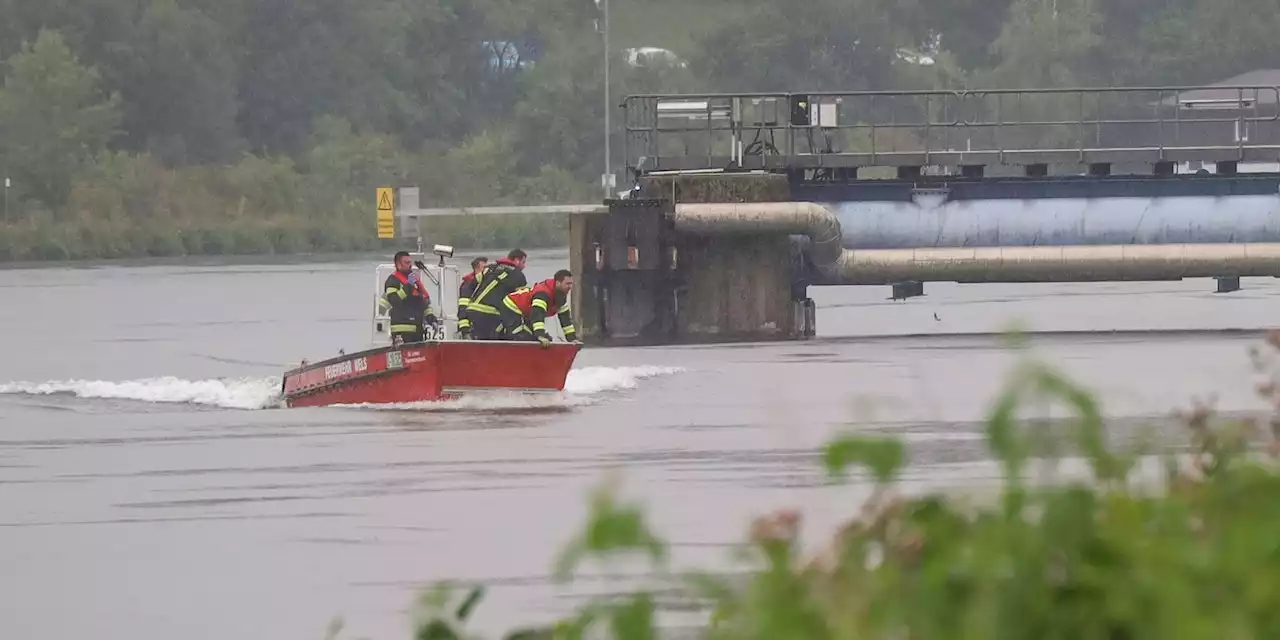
(131, 206)
(1196, 554)
(44, 237)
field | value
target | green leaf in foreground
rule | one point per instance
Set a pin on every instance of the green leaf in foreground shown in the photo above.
(1197, 559)
(883, 457)
(633, 619)
(612, 528)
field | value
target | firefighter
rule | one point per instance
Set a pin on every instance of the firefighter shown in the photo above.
(408, 301)
(496, 281)
(525, 310)
(470, 283)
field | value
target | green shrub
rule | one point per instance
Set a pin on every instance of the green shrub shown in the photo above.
(164, 243)
(126, 205)
(1196, 555)
(250, 240)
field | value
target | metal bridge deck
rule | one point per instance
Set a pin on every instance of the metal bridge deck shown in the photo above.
(952, 129)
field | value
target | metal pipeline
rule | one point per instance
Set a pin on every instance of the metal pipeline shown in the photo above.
(1072, 263)
(792, 218)
(1080, 263)
(1027, 222)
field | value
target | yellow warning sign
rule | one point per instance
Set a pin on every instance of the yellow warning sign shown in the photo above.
(386, 213)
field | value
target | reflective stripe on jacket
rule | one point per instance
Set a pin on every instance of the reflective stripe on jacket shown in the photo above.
(408, 304)
(496, 281)
(535, 303)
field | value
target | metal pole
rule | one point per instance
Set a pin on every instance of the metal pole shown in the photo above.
(6, 199)
(607, 106)
(444, 327)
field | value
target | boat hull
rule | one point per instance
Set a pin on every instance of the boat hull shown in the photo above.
(429, 371)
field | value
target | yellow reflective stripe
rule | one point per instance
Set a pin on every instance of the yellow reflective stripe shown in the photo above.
(569, 330)
(539, 326)
(464, 323)
(540, 303)
(400, 292)
(405, 328)
(492, 283)
(487, 289)
(482, 308)
(520, 329)
(511, 304)
(462, 302)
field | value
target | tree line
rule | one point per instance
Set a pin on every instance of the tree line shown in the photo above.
(159, 127)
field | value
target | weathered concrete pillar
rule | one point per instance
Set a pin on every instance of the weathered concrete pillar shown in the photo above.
(736, 288)
(626, 282)
(584, 303)
(642, 281)
(733, 287)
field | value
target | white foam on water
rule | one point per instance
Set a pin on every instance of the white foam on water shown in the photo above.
(264, 393)
(579, 388)
(239, 393)
(592, 380)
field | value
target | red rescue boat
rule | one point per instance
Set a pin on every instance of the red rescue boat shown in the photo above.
(437, 369)
(434, 370)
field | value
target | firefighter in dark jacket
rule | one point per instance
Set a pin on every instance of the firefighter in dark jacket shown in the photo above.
(525, 310)
(408, 300)
(496, 281)
(470, 283)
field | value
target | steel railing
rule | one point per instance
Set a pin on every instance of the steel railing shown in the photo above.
(886, 128)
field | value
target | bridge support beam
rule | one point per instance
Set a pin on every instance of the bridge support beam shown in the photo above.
(714, 265)
(905, 290)
(737, 288)
(651, 271)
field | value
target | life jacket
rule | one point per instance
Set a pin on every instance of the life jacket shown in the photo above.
(502, 262)
(412, 289)
(522, 298)
(406, 304)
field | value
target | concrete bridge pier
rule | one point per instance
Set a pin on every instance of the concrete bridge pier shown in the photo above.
(651, 271)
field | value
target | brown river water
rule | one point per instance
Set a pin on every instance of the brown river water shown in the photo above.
(151, 489)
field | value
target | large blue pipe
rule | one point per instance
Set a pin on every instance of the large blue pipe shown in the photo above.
(931, 221)
(1126, 260)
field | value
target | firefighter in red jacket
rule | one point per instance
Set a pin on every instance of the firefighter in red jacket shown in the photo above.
(525, 310)
(408, 300)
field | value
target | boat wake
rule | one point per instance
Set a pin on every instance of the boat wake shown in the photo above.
(264, 393)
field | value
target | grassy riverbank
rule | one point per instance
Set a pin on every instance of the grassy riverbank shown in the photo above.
(1187, 552)
(132, 206)
(49, 238)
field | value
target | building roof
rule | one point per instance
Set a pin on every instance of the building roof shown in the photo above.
(1258, 78)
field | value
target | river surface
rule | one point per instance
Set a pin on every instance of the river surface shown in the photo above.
(150, 489)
